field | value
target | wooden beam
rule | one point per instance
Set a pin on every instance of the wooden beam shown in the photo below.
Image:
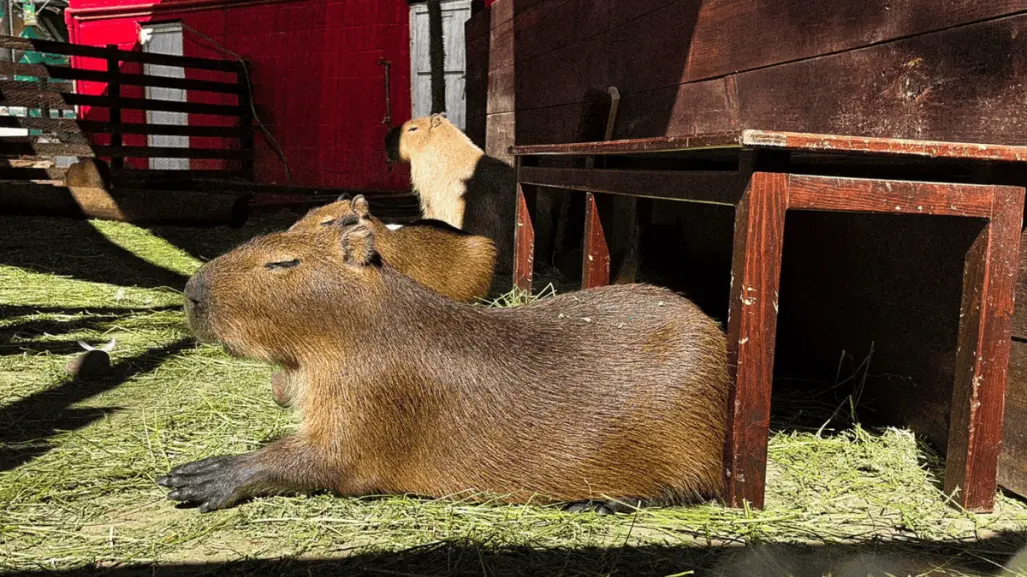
(892, 196)
(51, 47)
(595, 257)
(751, 332)
(982, 357)
(724, 188)
(524, 237)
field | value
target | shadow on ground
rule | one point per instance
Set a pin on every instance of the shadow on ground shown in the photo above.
(27, 425)
(448, 558)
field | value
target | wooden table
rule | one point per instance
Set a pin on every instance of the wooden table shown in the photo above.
(763, 175)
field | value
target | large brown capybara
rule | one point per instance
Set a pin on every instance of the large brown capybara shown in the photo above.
(444, 259)
(618, 392)
(457, 182)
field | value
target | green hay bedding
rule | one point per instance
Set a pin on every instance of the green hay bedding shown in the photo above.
(78, 459)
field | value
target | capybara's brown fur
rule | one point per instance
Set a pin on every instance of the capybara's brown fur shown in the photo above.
(457, 182)
(616, 392)
(447, 260)
(88, 173)
(443, 258)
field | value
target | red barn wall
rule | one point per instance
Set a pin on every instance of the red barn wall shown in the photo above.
(317, 82)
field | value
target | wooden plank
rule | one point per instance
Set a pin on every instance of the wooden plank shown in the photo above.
(738, 35)
(72, 126)
(93, 126)
(931, 87)
(751, 326)
(982, 358)
(114, 108)
(524, 238)
(580, 67)
(1012, 464)
(168, 152)
(499, 135)
(890, 196)
(151, 104)
(652, 50)
(632, 146)
(724, 188)
(595, 257)
(138, 206)
(886, 146)
(69, 73)
(169, 179)
(50, 47)
(28, 147)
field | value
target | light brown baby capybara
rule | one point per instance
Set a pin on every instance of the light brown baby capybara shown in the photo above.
(457, 182)
(618, 392)
(444, 259)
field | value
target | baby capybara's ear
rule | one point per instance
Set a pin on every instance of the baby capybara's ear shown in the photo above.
(343, 196)
(361, 207)
(358, 245)
(436, 119)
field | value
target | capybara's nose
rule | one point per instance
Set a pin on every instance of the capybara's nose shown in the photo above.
(392, 143)
(196, 288)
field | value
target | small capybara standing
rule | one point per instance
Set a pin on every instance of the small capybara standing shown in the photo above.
(457, 182)
(447, 260)
(618, 392)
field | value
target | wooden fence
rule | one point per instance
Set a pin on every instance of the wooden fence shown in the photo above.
(47, 91)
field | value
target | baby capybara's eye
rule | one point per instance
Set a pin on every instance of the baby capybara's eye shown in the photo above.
(282, 264)
(412, 129)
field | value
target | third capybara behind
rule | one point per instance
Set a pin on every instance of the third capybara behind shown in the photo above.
(457, 182)
(618, 392)
(447, 260)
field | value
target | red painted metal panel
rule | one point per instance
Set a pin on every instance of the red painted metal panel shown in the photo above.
(317, 82)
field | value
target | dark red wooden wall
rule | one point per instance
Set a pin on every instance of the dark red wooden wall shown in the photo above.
(318, 85)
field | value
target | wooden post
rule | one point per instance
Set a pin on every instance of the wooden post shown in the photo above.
(524, 235)
(752, 323)
(245, 120)
(982, 356)
(114, 91)
(595, 256)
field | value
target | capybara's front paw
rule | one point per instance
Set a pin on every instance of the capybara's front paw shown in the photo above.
(214, 483)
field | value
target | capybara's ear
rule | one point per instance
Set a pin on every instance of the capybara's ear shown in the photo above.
(343, 196)
(358, 245)
(360, 206)
(436, 119)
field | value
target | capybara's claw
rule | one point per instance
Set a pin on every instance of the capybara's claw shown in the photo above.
(212, 484)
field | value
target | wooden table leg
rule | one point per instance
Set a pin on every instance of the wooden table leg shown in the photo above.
(982, 356)
(752, 323)
(524, 238)
(595, 254)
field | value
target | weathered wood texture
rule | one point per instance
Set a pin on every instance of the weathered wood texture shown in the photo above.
(751, 330)
(896, 71)
(524, 238)
(595, 257)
